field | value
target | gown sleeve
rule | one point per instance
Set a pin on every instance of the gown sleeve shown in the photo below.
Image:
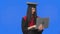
(24, 26)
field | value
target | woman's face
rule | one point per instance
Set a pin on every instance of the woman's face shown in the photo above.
(33, 10)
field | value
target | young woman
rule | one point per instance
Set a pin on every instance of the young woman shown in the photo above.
(29, 21)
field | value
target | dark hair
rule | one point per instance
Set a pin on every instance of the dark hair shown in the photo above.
(29, 14)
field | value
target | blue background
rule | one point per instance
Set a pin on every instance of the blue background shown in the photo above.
(12, 11)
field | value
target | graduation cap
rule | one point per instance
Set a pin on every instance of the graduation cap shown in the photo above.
(31, 4)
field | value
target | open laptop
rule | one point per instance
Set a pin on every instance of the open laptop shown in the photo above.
(43, 21)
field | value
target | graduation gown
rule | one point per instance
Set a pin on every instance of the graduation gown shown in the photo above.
(25, 28)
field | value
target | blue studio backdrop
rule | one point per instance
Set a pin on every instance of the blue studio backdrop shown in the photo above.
(12, 11)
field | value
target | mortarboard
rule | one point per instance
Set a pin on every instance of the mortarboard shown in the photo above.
(31, 4)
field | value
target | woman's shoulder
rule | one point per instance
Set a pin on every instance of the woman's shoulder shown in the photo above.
(38, 17)
(24, 17)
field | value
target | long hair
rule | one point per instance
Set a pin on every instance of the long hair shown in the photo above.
(29, 14)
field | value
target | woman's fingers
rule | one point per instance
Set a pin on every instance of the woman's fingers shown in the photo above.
(34, 26)
(29, 28)
(40, 27)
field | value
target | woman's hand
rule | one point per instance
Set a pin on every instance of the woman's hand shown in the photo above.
(31, 27)
(41, 27)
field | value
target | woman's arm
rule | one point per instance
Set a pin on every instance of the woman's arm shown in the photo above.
(31, 27)
(24, 26)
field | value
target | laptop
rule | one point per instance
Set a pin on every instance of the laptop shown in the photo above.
(43, 21)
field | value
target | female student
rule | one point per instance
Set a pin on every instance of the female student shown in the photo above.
(29, 21)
